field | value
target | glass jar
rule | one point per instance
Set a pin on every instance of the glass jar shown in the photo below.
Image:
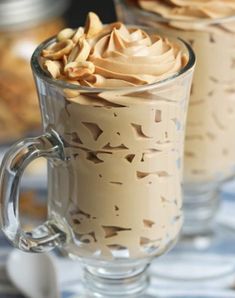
(23, 25)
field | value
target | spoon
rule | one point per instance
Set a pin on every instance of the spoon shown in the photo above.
(35, 275)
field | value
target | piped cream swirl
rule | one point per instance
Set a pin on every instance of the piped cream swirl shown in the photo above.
(190, 9)
(112, 56)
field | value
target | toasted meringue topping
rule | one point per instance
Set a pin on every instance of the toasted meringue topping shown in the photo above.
(112, 55)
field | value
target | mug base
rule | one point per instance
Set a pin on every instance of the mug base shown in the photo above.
(205, 261)
(108, 282)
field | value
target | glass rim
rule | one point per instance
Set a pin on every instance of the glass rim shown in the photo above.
(202, 21)
(42, 74)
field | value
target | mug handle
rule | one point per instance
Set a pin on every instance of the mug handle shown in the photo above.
(47, 236)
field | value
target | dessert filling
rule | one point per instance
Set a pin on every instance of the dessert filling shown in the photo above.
(121, 193)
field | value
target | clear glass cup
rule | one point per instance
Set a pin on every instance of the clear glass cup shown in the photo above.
(209, 146)
(114, 175)
(209, 158)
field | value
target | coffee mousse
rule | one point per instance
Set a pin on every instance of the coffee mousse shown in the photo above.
(121, 195)
(209, 26)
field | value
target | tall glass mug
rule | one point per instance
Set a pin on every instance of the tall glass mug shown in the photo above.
(209, 157)
(210, 145)
(114, 175)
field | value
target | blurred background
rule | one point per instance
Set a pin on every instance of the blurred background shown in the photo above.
(23, 25)
(78, 9)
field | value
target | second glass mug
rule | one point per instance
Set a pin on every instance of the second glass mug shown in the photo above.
(206, 245)
(209, 146)
(114, 175)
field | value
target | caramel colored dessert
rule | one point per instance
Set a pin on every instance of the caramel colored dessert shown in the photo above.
(121, 193)
(210, 142)
(190, 9)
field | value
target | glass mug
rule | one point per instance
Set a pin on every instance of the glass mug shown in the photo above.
(114, 175)
(210, 144)
(206, 245)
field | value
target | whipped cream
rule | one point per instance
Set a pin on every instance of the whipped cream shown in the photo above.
(111, 55)
(188, 10)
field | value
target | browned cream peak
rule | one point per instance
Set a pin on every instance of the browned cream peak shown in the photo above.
(113, 55)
